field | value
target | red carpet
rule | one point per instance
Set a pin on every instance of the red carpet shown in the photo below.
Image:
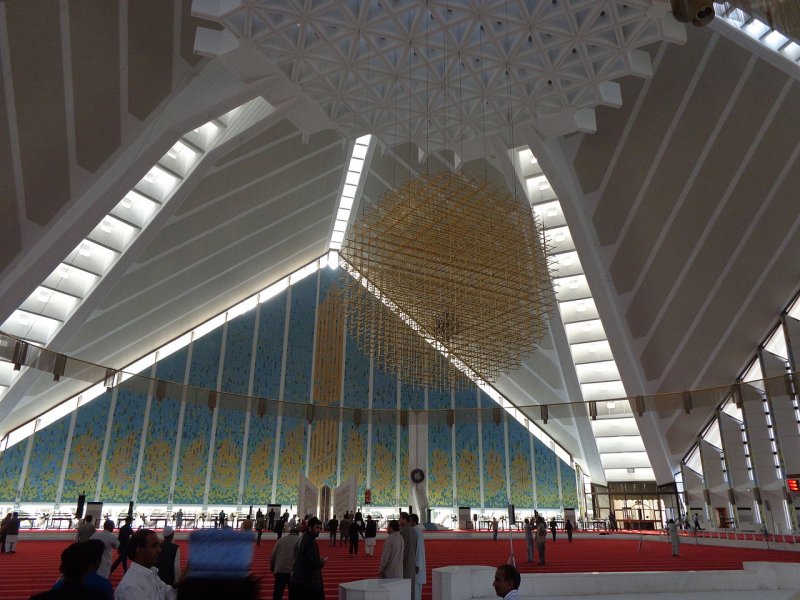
(35, 566)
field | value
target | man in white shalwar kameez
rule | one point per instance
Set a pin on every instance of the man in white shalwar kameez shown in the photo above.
(421, 579)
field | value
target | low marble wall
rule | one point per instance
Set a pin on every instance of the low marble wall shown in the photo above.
(756, 580)
(375, 589)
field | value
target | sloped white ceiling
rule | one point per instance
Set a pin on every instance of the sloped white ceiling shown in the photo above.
(683, 202)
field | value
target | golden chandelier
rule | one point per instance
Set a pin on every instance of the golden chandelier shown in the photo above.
(447, 266)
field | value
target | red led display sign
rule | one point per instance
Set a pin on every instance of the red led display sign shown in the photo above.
(793, 485)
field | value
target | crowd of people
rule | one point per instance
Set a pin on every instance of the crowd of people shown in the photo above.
(151, 564)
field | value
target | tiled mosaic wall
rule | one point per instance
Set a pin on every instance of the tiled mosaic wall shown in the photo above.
(269, 352)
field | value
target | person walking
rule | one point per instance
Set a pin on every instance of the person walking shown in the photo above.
(495, 526)
(569, 527)
(409, 550)
(110, 543)
(306, 580)
(541, 538)
(123, 537)
(553, 528)
(261, 524)
(279, 527)
(421, 573)
(353, 532)
(344, 528)
(169, 560)
(370, 536)
(4, 531)
(672, 530)
(333, 530)
(12, 533)
(529, 539)
(281, 561)
(85, 530)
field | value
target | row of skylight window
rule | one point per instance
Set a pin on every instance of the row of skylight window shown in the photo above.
(350, 188)
(759, 31)
(144, 363)
(776, 344)
(39, 318)
(621, 449)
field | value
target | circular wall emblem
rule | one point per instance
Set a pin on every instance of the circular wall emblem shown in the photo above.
(417, 475)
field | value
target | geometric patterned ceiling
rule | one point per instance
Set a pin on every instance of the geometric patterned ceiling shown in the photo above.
(448, 73)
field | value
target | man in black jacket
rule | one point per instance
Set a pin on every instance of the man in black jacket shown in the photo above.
(124, 536)
(169, 560)
(306, 581)
(370, 533)
(333, 529)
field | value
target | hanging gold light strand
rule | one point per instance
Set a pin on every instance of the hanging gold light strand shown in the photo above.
(462, 262)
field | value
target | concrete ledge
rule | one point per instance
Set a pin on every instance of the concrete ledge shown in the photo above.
(375, 589)
(767, 581)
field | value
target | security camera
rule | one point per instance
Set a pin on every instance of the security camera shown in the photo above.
(696, 12)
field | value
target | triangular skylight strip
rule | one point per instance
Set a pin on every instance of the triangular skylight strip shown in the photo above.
(595, 367)
(759, 31)
(38, 319)
(349, 192)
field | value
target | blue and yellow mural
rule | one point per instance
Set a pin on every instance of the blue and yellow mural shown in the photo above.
(468, 475)
(546, 475)
(277, 439)
(440, 456)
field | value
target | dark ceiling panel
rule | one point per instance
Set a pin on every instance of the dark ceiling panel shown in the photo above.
(696, 213)
(276, 133)
(34, 39)
(713, 91)
(150, 36)
(749, 327)
(666, 90)
(246, 210)
(596, 149)
(94, 33)
(10, 233)
(266, 226)
(282, 167)
(202, 278)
